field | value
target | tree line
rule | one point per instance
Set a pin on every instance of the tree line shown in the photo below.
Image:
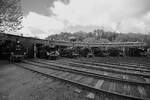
(101, 36)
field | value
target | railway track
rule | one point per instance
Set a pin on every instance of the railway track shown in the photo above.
(122, 63)
(115, 65)
(141, 69)
(133, 79)
(110, 88)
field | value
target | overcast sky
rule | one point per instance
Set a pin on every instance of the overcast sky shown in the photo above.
(45, 17)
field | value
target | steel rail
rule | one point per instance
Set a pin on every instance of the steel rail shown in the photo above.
(105, 65)
(112, 65)
(120, 64)
(106, 69)
(83, 85)
(60, 67)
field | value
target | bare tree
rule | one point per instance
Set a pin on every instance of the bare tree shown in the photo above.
(10, 15)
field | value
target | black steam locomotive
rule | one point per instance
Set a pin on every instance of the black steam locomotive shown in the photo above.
(47, 52)
(18, 52)
(70, 52)
(52, 53)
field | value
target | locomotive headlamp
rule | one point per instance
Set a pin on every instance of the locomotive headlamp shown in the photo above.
(24, 53)
(12, 53)
(18, 41)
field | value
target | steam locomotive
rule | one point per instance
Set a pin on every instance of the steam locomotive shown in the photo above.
(47, 52)
(52, 53)
(17, 53)
(70, 52)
